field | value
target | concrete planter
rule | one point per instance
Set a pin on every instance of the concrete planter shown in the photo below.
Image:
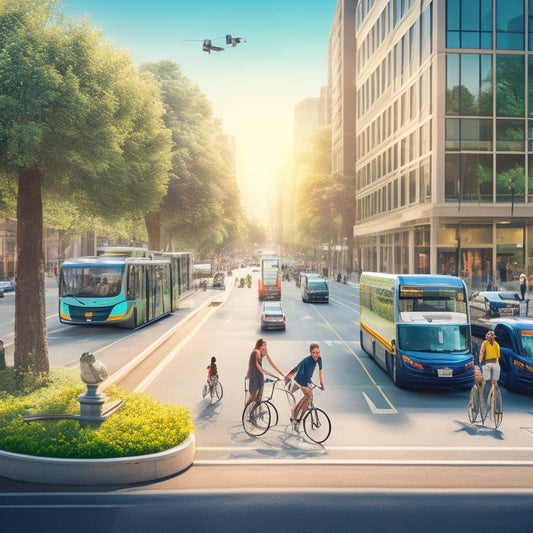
(122, 470)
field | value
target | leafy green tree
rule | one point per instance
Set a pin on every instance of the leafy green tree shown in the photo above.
(78, 122)
(201, 209)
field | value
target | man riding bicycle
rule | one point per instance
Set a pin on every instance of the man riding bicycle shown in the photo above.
(302, 375)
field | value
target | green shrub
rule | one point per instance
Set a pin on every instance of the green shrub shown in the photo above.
(141, 426)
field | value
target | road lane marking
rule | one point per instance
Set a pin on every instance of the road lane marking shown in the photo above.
(343, 304)
(388, 448)
(376, 410)
(493, 462)
(391, 409)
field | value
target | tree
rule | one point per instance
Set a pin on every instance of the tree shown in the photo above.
(77, 122)
(201, 209)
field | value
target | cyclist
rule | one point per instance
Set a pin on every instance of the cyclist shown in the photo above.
(256, 373)
(488, 359)
(302, 375)
(212, 372)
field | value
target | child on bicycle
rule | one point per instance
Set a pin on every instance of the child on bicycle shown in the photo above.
(212, 373)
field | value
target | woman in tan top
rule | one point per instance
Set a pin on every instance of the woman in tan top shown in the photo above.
(256, 373)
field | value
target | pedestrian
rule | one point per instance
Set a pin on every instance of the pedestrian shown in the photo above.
(523, 286)
(255, 377)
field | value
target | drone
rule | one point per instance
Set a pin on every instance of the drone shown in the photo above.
(230, 41)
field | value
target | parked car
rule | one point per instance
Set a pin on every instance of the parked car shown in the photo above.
(272, 316)
(490, 304)
(515, 337)
(7, 286)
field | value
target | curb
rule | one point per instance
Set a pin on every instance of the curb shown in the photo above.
(121, 470)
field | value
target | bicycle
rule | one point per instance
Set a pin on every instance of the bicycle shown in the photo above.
(257, 417)
(215, 391)
(315, 421)
(492, 400)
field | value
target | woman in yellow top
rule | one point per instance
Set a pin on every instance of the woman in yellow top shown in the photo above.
(488, 358)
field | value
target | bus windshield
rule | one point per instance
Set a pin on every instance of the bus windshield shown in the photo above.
(432, 299)
(429, 338)
(90, 282)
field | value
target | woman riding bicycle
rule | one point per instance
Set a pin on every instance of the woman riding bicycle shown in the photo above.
(488, 359)
(256, 373)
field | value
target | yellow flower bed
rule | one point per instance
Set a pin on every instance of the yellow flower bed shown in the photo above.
(141, 426)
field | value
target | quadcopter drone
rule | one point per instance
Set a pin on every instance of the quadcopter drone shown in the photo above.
(230, 41)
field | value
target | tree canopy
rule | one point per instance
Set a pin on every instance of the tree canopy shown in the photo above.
(80, 124)
(201, 209)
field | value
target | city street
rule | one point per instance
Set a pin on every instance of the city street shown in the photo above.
(383, 438)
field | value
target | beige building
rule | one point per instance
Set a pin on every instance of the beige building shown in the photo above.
(341, 84)
(444, 168)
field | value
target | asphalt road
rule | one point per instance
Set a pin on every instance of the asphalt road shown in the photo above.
(395, 459)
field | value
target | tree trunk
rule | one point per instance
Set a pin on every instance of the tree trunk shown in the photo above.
(153, 227)
(31, 349)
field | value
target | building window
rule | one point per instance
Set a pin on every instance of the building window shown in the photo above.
(469, 84)
(510, 178)
(426, 33)
(510, 86)
(509, 25)
(469, 24)
(510, 135)
(468, 177)
(469, 134)
(530, 19)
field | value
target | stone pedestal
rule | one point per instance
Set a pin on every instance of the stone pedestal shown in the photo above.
(91, 405)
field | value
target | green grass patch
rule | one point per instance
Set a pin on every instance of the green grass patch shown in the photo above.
(141, 426)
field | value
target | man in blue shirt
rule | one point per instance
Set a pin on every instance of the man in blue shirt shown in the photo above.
(302, 376)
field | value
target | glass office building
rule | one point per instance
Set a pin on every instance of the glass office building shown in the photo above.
(444, 138)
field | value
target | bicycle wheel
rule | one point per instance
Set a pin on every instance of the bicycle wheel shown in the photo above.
(497, 408)
(487, 396)
(256, 418)
(217, 392)
(274, 417)
(474, 405)
(317, 425)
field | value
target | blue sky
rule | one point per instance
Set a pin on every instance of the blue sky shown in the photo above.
(254, 86)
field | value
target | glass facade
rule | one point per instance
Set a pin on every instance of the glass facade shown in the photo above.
(445, 139)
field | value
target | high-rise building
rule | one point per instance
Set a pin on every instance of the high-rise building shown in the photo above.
(444, 138)
(341, 83)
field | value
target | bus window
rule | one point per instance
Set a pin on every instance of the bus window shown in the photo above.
(427, 338)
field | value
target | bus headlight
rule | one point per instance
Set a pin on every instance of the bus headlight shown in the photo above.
(410, 362)
(65, 312)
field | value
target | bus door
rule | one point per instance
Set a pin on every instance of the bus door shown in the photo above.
(149, 283)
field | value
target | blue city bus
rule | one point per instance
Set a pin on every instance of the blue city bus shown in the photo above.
(417, 328)
(123, 291)
(314, 288)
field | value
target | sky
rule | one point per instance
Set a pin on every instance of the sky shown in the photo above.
(253, 87)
